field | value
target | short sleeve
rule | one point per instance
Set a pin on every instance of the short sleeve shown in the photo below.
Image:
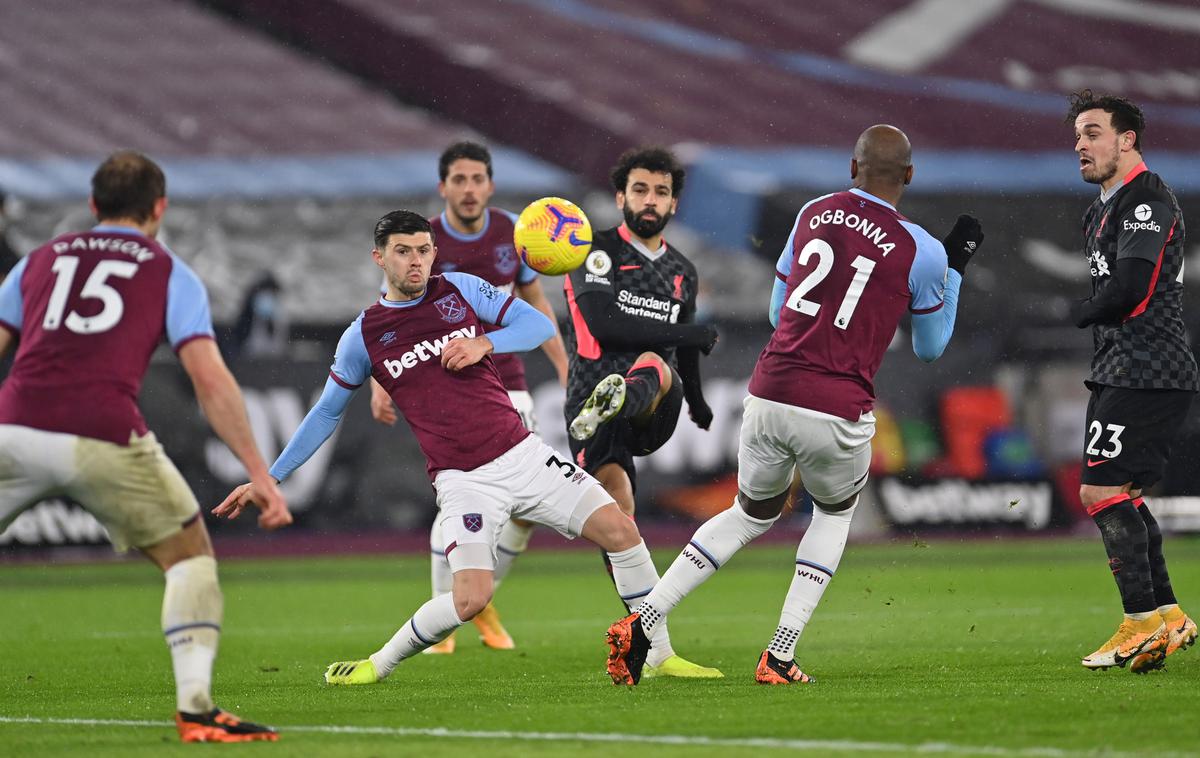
(488, 302)
(188, 313)
(927, 277)
(595, 275)
(12, 302)
(351, 363)
(1144, 225)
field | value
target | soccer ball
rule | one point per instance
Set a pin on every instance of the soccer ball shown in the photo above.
(553, 236)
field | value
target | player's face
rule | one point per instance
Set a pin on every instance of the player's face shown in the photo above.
(406, 260)
(1098, 145)
(648, 202)
(467, 190)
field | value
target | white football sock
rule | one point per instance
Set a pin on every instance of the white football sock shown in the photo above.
(817, 558)
(711, 546)
(514, 538)
(192, 610)
(441, 578)
(429, 625)
(634, 575)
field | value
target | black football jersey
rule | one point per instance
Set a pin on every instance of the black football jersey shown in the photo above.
(657, 286)
(1149, 348)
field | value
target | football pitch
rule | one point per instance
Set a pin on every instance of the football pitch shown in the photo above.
(942, 647)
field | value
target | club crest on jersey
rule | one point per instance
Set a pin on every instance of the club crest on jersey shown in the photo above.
(451, 308)
(388, 338)
(506, 259)
(472, 522)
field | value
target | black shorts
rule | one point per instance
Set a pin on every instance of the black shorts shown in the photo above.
(621, 439)
(1129, 434)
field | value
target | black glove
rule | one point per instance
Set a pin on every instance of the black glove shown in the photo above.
(962, 242)
(701, 414)
(710, 341)
(1081, 313)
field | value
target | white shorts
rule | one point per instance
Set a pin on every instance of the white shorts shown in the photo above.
(133, 490)
(831, 455)
(522, 400)
(531, 481)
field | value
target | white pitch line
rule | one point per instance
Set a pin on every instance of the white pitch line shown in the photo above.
(601, 737)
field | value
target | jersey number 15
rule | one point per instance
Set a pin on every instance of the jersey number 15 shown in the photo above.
(95, 287)
(862, 272)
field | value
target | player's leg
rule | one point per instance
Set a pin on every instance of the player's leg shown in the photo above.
(441, 579)
(634, 395)
(1181, 629)
(833, 458)
(1123, 450)
(144, 502)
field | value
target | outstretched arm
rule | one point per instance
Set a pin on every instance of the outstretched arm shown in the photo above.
(931, 332)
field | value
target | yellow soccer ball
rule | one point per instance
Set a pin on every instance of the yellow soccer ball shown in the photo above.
(553, 236)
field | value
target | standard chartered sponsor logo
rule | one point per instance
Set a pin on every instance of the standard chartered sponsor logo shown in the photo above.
(648, 306)
(425, 350)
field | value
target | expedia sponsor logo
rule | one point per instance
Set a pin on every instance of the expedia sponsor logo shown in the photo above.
(425, 350)
(1134, 226)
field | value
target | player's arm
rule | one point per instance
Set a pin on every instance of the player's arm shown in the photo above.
(688, 360)
(523, 326)
(615, 330)
(783, 269)
(1140, 243)
(351, 367)
(531, 292)
(190, 333)
(935, 281)
(12, 307)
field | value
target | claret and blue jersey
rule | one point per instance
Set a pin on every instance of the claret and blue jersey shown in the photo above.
(851, 268)
(461, 419)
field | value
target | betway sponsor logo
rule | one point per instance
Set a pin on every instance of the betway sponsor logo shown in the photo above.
(648, 306)
(1135, 226)
(54, 522)
(860, 224)
(425, 350)
(956, 501)
(132, 248)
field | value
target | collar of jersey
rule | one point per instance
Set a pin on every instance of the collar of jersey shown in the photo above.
(403, 303)
(653, 255)
(487, 220)
(1105, 196)
(117, 228)
(872, 198)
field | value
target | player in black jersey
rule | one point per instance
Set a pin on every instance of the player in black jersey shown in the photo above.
(1143, 375)
(633, 346)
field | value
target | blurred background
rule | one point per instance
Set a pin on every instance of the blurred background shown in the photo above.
(287, 128)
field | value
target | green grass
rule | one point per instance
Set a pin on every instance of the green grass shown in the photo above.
(971, 644)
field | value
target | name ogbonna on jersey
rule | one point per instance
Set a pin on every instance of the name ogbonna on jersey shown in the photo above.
(132, 248)
(425, 350)
(860, 224)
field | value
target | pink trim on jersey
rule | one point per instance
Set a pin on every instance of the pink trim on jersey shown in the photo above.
(191, 338)
(628, 235)
(585, 344)
(343, 382)
(921, 311)
(1138, 169)
(1141, 307)
(656, 365)
(503, 310)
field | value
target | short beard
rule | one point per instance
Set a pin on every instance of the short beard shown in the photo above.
(409, 290)
(643, 228)
(1100, 175)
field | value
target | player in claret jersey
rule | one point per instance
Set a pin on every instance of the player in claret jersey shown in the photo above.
(474, 238)
(425, 343)
(633, 346)
(850, 270)
(1143, 377)
(88, 310)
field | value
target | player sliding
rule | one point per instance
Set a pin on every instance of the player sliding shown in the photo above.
(850, 269)
(424, 342)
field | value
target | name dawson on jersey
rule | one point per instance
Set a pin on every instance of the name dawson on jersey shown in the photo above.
(860, 224)
(423, 351)
(132, 248)
(648, 306)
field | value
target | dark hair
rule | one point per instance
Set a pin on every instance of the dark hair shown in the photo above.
(656, 159)
(1126, 117)
(127, 185)
(400, 222)
(472, 151)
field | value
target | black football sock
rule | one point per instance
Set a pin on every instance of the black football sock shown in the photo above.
(642, 382)
(1127, 545)
(1163, 594)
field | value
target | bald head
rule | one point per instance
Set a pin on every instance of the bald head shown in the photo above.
(883, 154)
